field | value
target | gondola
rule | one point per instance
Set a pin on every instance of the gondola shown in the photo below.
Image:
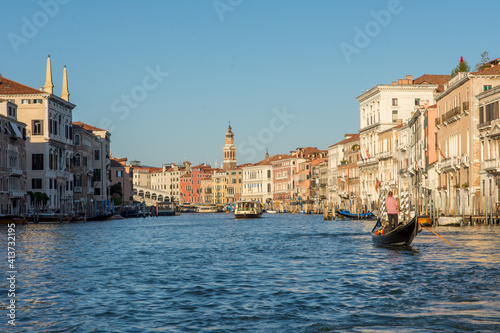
(403, 235)
(100, 217)
(362, 216)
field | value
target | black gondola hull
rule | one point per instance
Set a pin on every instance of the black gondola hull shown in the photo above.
(401, 236)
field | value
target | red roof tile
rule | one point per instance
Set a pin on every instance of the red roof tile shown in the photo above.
(86, 126)
(440, 80)
(495, 70)
(355, 137)
(9, 87)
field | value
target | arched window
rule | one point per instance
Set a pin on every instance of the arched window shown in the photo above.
(77, 140)
(268, 173)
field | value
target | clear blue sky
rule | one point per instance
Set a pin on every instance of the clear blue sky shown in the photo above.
(243, 61)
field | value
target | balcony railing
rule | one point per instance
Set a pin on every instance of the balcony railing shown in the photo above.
(452, 113)
(492, 165)
(450, 163)
(17, 193)
(14, 171)
(484, 124)
(77, 189)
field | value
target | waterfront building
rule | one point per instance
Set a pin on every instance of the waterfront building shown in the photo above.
(459, 144)
(284, 194)
(13, 195)
(302, 180)
(92, 152)
(206, 190)
(319, 182)
(186, 188)
(167, 179)
(219, 187)
(258, 181)
(83, 170)
(380, 109)
(229, 150)
(234, 184)
(335, 155)
(348, 175)
(489, 135)
(122, 174)
(49, 147)
(198, 173)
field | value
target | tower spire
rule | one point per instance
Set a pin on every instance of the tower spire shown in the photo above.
(48, 87)
(65, 92)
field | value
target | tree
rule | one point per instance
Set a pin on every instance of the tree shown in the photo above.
(116, 188)
(117, 199)
(461, 67)
(484, 61)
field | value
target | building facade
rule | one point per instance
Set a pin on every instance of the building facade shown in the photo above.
(49, 147)
(13, 194)
(459, 144)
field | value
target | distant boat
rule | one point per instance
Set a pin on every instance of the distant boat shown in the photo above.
(271, 211)
(247, 209)
(167, 208)
(206, 209)
(100, 217)
(362, 216)
(9, 219)
(450, 221)
(403, 235)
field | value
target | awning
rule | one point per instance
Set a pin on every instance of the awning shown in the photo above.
(16, 130)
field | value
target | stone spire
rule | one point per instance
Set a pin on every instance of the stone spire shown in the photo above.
(267, 154)
(48, 87)
(65, 92)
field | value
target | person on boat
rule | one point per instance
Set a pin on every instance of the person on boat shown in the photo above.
(392, 212)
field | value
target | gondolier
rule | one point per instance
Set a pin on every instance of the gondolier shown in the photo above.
(392, 212)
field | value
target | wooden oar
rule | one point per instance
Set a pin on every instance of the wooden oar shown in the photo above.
(436, 234)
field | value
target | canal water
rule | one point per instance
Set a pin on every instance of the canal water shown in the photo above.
(280, 273)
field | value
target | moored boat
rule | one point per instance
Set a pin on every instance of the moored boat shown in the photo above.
(450, 221)
(100, 217)
(206, 209)
(403, 235)
(167, 208)
(362, 216)
(247, 209)
(9, 219)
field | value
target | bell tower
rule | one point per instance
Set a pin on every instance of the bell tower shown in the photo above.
(229, 150)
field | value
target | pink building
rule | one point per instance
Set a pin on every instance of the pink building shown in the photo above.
(121, 173)
(198, 173)
(186, 187)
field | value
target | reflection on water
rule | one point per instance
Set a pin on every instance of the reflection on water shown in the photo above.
(280, 273)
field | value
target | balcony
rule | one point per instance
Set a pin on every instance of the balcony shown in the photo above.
(384, 155)
(77, 189)
(465, 161)
(466, 106)
(492, 166)
(14, 194)
(15, 172)
(450, 164)
(451, 115)
(485, 125)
